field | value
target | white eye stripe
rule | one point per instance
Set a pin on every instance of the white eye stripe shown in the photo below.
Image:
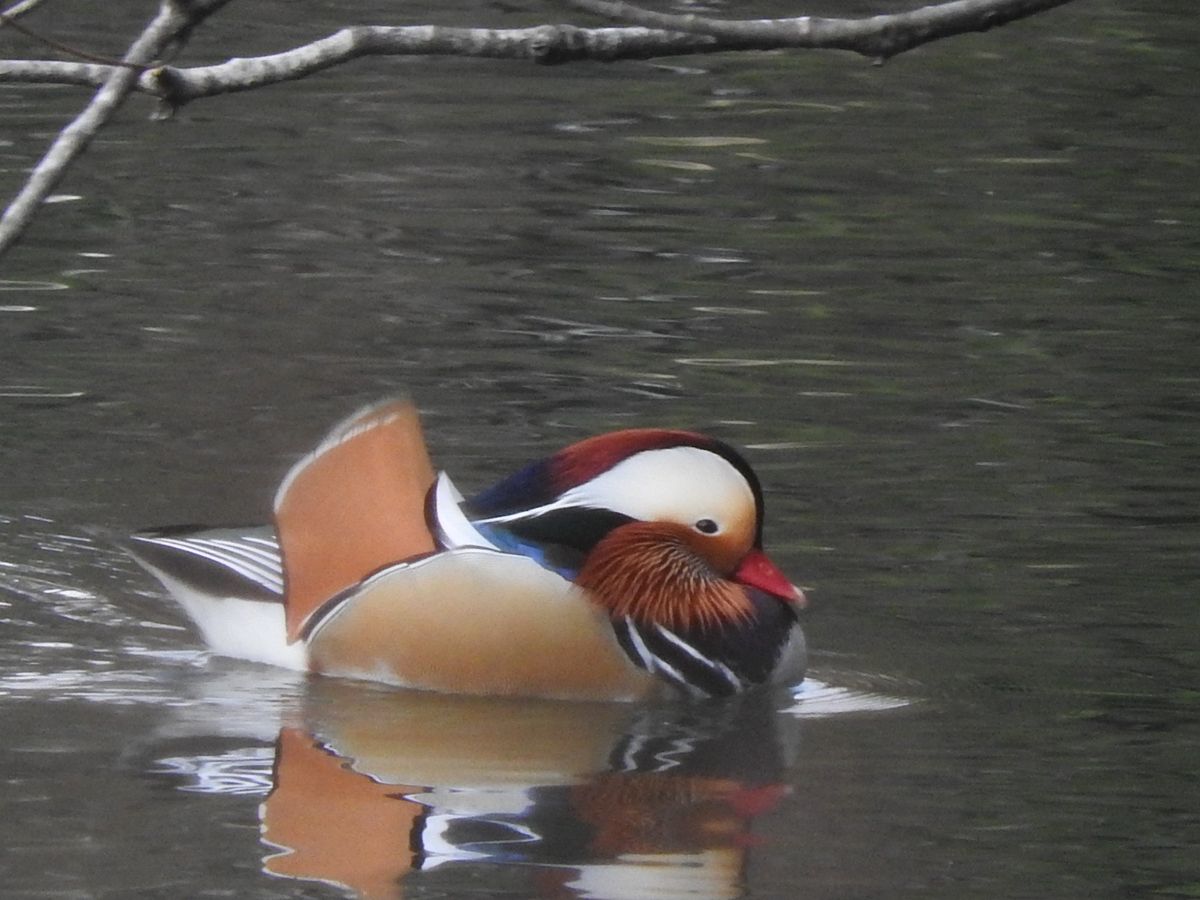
(676, 484)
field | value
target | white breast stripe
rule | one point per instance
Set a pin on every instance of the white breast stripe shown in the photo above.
(715, 665)
(656, 664)
(639, 645)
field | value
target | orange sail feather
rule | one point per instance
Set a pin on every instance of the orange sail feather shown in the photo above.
(352, 506)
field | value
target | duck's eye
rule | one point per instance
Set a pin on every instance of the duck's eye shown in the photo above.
(707, 526)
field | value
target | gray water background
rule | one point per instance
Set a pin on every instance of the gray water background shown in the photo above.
(948, 306)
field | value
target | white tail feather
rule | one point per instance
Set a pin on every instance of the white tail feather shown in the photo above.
(252, 630)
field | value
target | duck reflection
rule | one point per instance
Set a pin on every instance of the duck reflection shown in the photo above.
(597, 800)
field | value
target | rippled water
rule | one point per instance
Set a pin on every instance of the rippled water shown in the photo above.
(946, 305)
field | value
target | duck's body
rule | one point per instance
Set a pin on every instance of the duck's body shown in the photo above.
(624, 564)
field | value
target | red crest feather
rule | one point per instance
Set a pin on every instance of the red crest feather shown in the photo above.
(592, 456)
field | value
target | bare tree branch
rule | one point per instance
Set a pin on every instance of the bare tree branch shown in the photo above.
(547, 44)
(879, 37)
(175, 19)
(657, 35)
(52, 71)
(17, 10)
(651, 35)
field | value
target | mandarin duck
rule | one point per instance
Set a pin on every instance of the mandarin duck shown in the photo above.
(624, 566)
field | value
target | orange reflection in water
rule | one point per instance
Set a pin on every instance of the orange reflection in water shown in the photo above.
(604, 801)
(334, 825)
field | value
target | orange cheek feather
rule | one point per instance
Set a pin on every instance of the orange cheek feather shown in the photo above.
(653, 573)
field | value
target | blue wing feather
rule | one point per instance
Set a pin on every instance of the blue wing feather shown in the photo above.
(505, 540)
(527, 488)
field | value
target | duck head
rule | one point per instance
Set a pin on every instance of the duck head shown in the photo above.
(663, 528)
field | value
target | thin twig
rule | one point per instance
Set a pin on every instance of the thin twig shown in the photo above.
(6, 19)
